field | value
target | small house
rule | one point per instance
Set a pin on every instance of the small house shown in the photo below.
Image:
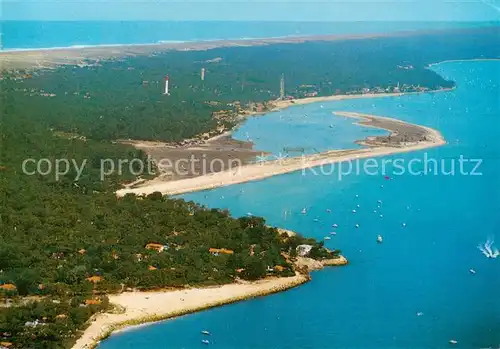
(218, 251)
(8, 287)
(303, 250)
(92, 301)
(156, 247)
(95, 279)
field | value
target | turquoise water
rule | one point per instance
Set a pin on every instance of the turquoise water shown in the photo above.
(48, 34)
(423, 267)
(312, 127)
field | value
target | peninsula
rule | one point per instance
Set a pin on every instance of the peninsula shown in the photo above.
(76, 244)
(403, 137)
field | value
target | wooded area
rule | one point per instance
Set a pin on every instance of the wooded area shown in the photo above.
(71, 242)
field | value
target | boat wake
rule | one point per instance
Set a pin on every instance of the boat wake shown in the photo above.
(488, 250)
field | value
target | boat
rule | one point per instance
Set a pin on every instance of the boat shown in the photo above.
(205, 333)
(379, 239)
(404, 225)
(357, 225)
(204, 341)
(333, 233)
(353, 211)
(316, 220)
(332, 126)
(335, 225)
(328, 210)
(472, 271)
(452, 341)
(420, 313)
(327, 238)
(358, 206)
(304, 211)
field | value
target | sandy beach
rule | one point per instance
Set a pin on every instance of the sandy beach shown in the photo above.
(48, 58)
(145, 307)
(44, 58)
(138, 308)
(404, 137)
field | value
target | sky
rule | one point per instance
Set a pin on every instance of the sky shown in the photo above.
(248, 10)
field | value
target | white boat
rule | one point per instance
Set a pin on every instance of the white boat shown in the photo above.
(304, 211)
(353, 211)
(420, 313)
(404, 225)
(357, 225)
(472, 271)
(379, 239)
(333, 233)
(327, 238)
(205, 333)
(335, 225)
(204, 341)
(452, 341)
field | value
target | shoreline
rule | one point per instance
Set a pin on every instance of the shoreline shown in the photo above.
(144, 308)
(464, 60)
(47, 58)
(52, 57)
(266, 169)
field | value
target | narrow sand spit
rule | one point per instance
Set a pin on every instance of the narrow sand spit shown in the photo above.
(416, 137)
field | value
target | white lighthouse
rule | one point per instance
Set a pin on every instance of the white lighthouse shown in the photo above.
(166, 86)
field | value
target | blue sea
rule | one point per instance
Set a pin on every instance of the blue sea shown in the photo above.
(414, 290)
(17, 35)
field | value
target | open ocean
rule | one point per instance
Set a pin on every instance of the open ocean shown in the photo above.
(421, 268)
(52, 34)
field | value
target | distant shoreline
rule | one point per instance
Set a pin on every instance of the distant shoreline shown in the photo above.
(464, 60)
(46, 58)
(52, 57)
(255, 172)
